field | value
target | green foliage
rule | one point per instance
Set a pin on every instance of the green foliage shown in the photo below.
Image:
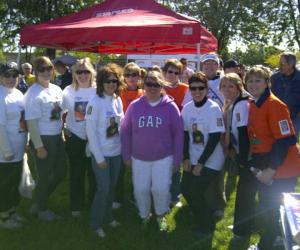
(272, 61)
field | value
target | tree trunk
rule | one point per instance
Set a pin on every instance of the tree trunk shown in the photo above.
(51, 53)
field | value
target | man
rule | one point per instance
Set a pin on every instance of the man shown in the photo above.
(65, 77)
(286, 86)
(186, 71)
(28, 76)
(231, 66)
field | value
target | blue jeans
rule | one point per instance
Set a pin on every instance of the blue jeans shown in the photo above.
(106, 181)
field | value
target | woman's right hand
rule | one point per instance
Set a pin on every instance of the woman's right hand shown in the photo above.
(187, 166)
(102, 165)
(41, 153)
(128, 163)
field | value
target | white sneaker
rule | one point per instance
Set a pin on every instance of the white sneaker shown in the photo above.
(48, 215)
(114, 224)
(100, 232)
(179, 204)
(253, 247)
(18, 218)
(75, 213)
(10, 224)
(116, 205)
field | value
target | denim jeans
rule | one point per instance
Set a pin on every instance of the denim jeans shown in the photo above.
(106, 181)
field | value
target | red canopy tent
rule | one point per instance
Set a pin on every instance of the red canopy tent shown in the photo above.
(122, 27)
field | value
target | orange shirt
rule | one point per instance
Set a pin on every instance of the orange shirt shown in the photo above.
(267, 123)
(178, 93)
(130, 95)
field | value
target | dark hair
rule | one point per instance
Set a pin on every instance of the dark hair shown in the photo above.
(290, 58)
(104, 73)
(173, 63)
(59, 64)
(199, 77)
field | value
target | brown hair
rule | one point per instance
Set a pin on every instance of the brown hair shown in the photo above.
(132, 68)
(157, 77)
(199, 77)
(41, 61)
(86, 62)
(259, 71)
(104, 73)
(174, 63)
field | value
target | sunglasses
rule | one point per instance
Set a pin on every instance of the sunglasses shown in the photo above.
(131, 75)
(108, 81)
(152, 85)
(9, 75)
(199, 88)
(84, 71)
(173, 72)
(45, 68)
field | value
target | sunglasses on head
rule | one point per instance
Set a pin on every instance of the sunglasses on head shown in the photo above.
(152, 85)
(199, 88)
(108, 81)
(84, 71)
(173, 72)
(131, 74)
(45, 68)
(9, 75)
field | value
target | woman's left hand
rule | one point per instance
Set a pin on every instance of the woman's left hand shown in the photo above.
(197, 169)
(266, 176)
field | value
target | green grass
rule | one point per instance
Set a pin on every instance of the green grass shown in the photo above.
(74, 233)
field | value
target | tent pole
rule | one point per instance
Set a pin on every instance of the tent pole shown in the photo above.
(198, 56)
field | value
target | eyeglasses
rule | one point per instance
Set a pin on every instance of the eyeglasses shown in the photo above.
(173, 72)
(199, 88)
(108, 81)
(131, 75)
(84, 71)
(45, 68)
(152, 85)
(9, 75)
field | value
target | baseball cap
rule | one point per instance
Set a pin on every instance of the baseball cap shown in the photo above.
(8, 69)
(230, 64)
(213, 57)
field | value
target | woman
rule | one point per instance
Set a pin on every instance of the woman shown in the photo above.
(103, 118)
(273, 150)
(13, 137)
(203, 154)
(236, 146)
(75, 99)
(172, 70)
(43, 113)
(152, 137)
(133, 77)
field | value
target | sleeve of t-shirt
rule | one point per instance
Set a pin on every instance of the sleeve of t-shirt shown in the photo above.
(185, 122)
(2, 111)
(216, 122)
(126, 134)
(64, 100)
(279, 120)
(32, 108)
(241, 113)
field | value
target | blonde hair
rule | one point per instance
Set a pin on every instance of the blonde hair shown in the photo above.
(157, 77)
(259, 71)
(132, 68)
(234, 79)
(86, 62)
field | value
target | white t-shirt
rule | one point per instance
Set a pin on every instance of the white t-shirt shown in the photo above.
(75, 103)
(12, 117)
(103, 118)
(213, 93)
(45, 105)
(239, 118)
(199, 122)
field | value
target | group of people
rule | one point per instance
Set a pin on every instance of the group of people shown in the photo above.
(152, 122)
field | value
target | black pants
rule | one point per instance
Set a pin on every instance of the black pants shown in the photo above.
(193, 189)
(244, 211)
(80, 166)
(10, 177)
(50, 170)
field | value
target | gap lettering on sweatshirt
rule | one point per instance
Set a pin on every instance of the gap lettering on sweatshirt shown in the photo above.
(149, 121)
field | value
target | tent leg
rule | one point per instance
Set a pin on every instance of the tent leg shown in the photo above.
(198, 56)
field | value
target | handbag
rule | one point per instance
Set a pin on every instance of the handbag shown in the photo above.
(27, 183)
